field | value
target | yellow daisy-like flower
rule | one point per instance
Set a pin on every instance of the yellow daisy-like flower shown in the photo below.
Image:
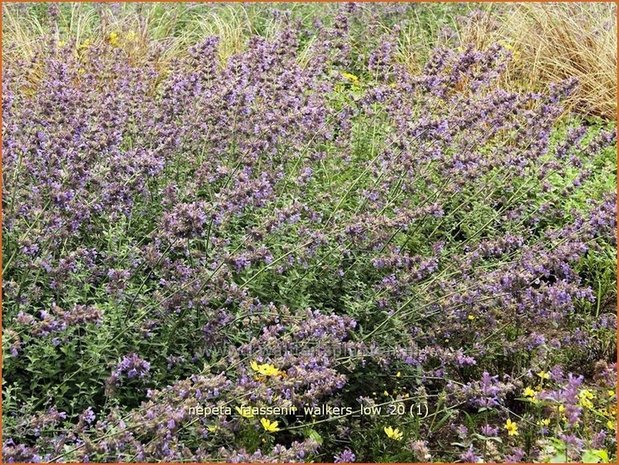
(544, 374)
(587, 394)
(471, 317)
(611, 393)
(350, 77)
(529, 392)
(265, 369)
(610, 425)
(544, 422)
(84, 45)
(505, 44)
(114, 39)
(510, 47)
(585, 397)
(561, 408)
(511, 427)
(245, 412)
(212, 428)
(393, 433)
(269, 426)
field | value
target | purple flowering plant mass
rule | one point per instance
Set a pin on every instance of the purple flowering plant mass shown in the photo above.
(301, 249)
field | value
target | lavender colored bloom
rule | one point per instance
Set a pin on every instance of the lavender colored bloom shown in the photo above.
(131, 366)
(469, 456)
(303, 216)
(488, 430)
(88, 416)
(346, 456)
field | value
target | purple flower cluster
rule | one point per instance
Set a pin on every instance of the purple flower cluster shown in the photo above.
(131, 366)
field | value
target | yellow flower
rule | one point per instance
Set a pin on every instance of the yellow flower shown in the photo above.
(245, 412)
(611, 393)
(270, 426)
(561, 408)
(587, 394)
(610, 425)
(528, 392)
(584, 398)
(392, 433)
(544, 375)
(85, 44)
(114, 39)
(350, 77)
(511, 427)
(212, 428)
(505, 44)
(471, 317)
(398, 374)
(265, 369)
(545, 422)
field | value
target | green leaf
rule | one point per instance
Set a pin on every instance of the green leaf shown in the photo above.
(313, 434)
(558, 444)
(459, 444)
(595, 456)
(560, 458)
(589, 456)
(603, 454)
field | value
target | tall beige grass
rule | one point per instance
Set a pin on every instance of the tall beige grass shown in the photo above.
(552, 42)
(171, 28)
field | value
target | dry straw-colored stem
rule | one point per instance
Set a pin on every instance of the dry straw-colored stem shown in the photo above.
(553, 42)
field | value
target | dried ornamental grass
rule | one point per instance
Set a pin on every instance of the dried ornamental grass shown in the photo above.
(551, 42)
